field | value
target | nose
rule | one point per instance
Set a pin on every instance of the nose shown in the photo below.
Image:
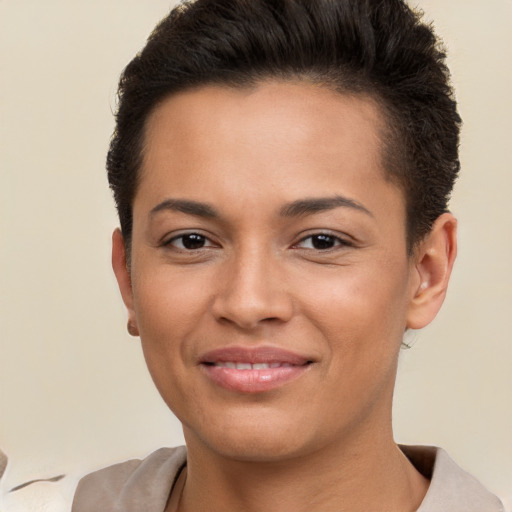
(252, 292)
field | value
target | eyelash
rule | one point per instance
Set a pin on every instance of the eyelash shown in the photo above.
(336, 240)
(169, 243)
(321, 237)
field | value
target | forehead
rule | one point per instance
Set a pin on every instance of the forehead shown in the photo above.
(287, 138)
(288, 113)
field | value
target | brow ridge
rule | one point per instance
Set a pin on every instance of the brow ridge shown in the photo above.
(309, 206)
(186, 206)
(300, 207)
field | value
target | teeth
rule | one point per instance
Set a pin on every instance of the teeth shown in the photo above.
(260, 366)
(249, 366)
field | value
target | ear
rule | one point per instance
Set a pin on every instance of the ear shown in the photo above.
(122, 272)
(434, 259)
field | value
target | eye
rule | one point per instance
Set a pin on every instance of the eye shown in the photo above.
(321, 242)
(190, 242)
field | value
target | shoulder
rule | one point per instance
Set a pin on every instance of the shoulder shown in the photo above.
(451, 488)
(133, 485)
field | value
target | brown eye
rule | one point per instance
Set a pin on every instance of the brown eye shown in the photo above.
(321, 242)
(190, 241)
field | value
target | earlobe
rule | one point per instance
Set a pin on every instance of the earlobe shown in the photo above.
(122, 273)
(434, 262)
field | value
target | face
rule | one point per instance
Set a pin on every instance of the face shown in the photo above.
(270, 281)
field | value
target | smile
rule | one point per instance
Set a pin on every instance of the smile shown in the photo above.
(250, 366)
(253, 370)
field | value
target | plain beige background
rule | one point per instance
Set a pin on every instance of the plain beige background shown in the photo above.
(74, 391)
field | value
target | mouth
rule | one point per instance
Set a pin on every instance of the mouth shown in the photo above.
(255, 370)
(249, 366)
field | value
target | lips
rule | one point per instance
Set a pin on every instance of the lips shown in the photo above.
(251, 366)
(253, 370)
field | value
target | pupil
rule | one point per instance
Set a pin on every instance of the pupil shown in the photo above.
(323, 242)
(193, 241)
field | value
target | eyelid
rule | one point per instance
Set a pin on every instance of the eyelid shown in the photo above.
(340, 241)
(168, 241)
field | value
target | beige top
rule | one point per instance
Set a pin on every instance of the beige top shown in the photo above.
(146, 484)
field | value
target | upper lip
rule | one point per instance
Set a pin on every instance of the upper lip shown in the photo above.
(253, 355)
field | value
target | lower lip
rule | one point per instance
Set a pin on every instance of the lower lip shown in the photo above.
(253, 381)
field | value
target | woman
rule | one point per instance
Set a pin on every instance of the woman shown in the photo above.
(281, 172)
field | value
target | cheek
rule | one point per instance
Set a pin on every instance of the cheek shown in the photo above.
(361, 321)
(169, 310)
(165, 327)
(168, 302)
(361, 311)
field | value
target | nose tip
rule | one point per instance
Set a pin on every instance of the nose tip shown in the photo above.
(250, 315)
(253, 296)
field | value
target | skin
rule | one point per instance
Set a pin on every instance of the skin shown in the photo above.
(318, 441)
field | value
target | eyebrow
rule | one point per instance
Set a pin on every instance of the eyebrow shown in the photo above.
(297, 208)
(186, 206)
(310, 206)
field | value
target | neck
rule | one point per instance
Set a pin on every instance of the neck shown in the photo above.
(355, 477)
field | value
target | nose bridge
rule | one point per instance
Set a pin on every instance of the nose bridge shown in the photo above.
(253, 290)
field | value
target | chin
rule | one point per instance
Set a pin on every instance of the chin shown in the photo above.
(253, 438)
(258, 448)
